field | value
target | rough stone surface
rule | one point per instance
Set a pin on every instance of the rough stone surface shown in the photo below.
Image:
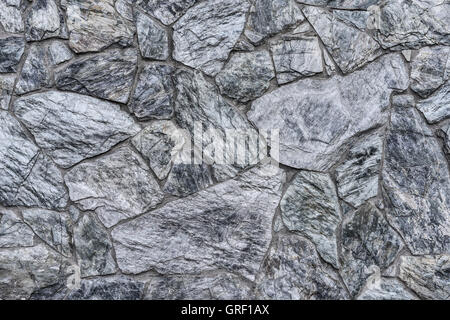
(204, 36)
(13, 231)
(6, 89)
(293, 271)
(44, 21)
(436, 107)
(311, 208)
(117, 186)
(35, 71)
(106, 75)
(379, 288)
(428, 276)
(11, 50)
(167, 11)
(11, 16)
(153, 39)
(316, 118)
(71, 127)
(246, 76)
(415, 182)
(59, 52)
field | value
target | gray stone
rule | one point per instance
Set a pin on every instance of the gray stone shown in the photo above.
(35, 71)
(205, 35)
(268, 17)
(227, 227)
(446, 132)
(342, 4)
(380, 288)
(311, 208)
(93, 247)
(357, 175)
(6, 90)
(13, 231)
(296, 57)
(71, 127)
(358, 19)
(411, 24)
(221, 286)
(29, 178)
(153, 96)
(117, 186)
(107, 75)
(153, 39)
(428, 276)
(415, 181)
(52, 227)
(316, 118)
(26, 269)
(350, 47)
(430, 69)
(11, 51)
(44, 20)
(185, 179)
(294, 271)
(367, 241)
(167, 11)
(246, 75)
(59, 52)
(94, 30)
(436, 107)
(11, 16)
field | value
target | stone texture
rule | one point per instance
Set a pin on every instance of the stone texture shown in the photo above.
(13, 231)
(44, 20)
(428, 276)
(317, 118)
(204, 36)
(268, 17)
(430, 69)
(350, 47)
(367, 241)
(153, 97)
(93, 247)
(226, 227)
(6, 90)
(246, 75)
(11, 16)
(220, 286)
(436, 107)
(11, 51)
(311, 208)
(380, 288)
(293, 271)
(59, 52)
(35, 71)
(415, 181)
(296, 57)
(95, 24)
(29, 178)
(71, 127)
(167, 11)
(116, 186)
(107, 75)
(342, 4)
(357, 175)
(153, 39)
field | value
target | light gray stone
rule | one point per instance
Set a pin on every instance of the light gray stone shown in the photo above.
(153, 39)
(13, 231)
(268, 17)
(11, 16)
(108, 75)
(380, 288)
(117, 186)
(167, 11)
(71, 127)
(446, 136)
(11, 51)
(317, 118)
(95, 24)
(227, 227)
(125, 8)
(428, 276)
(296, 57)
(93, 247)
(436, 107)
(59, 52)
(294, 271)
(350, 47)
(204, 36)
(6, 90)
(342, 4)
(311, 208)
(35, 71)
(246, 75)
(44, 20)
(153, 97)
(415, 181)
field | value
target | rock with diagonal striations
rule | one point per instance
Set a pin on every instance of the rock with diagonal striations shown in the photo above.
(6, 89)
(71, 127)
(153, 39)
(11, 16)
(317, 118)
(381, 288)
(35, 71)
(58, 52)
(117, 186)
(11, 51)
(44, 20)
(342, 4)
(167, 11)
(436, 107)
(13, 231)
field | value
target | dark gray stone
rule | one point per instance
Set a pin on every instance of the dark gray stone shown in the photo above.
(11, 51)
(153, 39)
(35, 71)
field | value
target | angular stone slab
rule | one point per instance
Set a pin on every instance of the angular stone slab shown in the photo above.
(167, 11)
(6, 90)
(35, 71)
(436, 107)
(13, 231)
(44, 20)
(153, 39)
(11, 51)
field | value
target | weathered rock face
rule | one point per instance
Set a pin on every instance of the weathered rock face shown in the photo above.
(379, 288)
(167, 11)
(153, 40)
(310, 207)
(13, 231)
(117, 186)
(44, 20)
(293, 271)
(71, 127)
(11, 50)
(316, 118)
(11, 16)
(35, 71)
(6, 89)
(94, 25)
(106, 75)
(428, 276)
(436, 107)
(204, 36)
(59, 52)
(415, 182)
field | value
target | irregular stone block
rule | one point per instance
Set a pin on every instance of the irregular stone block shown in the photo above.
(11, 16)
(380, 288)
(44, 20)
(153, 39)
(167, 11)
(436, 107)
(35, 71)
(59, 52)
(11, 51)
(6, 90)
(13, 231)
